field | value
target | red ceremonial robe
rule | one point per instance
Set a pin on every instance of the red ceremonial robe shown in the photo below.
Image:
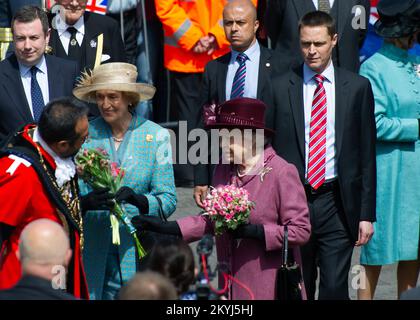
(23, 199)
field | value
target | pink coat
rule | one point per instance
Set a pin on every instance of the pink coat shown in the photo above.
(280, 199)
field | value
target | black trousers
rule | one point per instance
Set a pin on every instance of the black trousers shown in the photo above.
(185, 93)
(330, 248)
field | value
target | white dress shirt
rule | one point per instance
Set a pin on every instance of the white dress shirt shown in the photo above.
(41, 77)
(316, 3)
(309, 86)
(65, 35)
(252, 66)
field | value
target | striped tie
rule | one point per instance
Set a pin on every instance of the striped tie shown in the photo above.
(318, 135)
(238, 85)
(324, 5)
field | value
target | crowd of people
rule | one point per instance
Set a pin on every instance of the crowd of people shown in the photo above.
(337, 168)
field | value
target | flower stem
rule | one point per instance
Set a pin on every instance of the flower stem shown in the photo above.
(120, 214)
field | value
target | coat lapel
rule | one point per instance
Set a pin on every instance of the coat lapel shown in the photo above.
(341, 104)
(56, 45)
(296, 103)
(221, 78)
(91, 34)
(264, 71)
(14, 88)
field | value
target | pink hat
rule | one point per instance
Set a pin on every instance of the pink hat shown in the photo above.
(237, 113)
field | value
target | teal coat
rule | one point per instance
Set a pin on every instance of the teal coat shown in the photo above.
(145, 154)
(396, 86)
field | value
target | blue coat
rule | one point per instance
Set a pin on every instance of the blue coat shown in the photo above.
(146, 156)
(396, 86)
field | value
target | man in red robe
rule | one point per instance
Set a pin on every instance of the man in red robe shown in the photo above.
(38, 180)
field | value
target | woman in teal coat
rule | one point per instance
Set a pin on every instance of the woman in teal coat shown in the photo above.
(395, 79)
(139, 146)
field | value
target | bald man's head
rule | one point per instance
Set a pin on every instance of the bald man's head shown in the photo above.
(244, 5)
(148, 285)
(43, 243)
(240, 24)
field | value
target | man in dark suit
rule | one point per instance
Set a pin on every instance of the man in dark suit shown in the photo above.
(283, 16)
(29, 78)
(88, 38)
(44, 253)
(325, 126)
(240, 24)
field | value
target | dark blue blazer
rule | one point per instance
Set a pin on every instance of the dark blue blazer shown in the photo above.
(14, 108)
(34, 288)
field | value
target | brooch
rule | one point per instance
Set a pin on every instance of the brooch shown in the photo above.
(417, 70)
(263, 172)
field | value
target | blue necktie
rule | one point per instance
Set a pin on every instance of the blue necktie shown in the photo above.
(36, 95)
(238, 85)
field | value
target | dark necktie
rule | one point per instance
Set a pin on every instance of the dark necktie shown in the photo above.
(74, 51)
(36, 95)
(318, 135)
(324, 5)
(238, 85)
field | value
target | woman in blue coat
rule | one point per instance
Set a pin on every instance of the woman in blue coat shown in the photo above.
(139, 146)
(395, 79)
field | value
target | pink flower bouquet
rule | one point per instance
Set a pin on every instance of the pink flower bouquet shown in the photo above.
(95, 168)
(228, 207)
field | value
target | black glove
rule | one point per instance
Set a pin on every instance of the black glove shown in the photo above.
(155, 224)
(98, 199)
(136, 199)
(251, 231)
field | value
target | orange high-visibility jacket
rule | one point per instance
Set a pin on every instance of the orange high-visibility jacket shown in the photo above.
(184, 23)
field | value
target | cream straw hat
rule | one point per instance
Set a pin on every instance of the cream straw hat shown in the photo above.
(116, 76)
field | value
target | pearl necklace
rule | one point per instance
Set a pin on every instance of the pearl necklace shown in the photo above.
(117, 140)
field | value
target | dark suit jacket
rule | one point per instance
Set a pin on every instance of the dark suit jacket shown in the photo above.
(213, 89)
(95, 25)
(412, 294)
(14, 108)
(282, 20)
(34, 288)
(355, 134)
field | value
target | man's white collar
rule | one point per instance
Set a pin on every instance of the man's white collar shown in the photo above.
(62, 26)
(66, 169)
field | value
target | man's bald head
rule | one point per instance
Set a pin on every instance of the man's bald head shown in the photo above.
(242, 5)
(43, 243)
(148, 285)
(240, 24)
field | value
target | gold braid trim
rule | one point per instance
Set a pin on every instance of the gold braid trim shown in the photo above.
(71, 199)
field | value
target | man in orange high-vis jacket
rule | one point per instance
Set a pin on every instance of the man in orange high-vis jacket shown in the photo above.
(193, 36)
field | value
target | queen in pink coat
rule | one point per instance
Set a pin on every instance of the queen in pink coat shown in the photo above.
(252, 253)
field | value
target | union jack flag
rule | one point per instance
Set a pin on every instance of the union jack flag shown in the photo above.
(372, 42)
(97, 6)
(373, 12)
